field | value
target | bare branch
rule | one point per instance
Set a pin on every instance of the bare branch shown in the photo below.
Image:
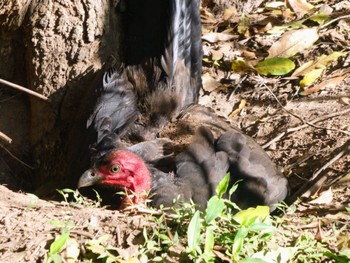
(18, 87)
(16, 158)
(305, 123)
(5, 138)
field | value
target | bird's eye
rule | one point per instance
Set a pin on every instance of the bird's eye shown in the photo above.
(114, 169)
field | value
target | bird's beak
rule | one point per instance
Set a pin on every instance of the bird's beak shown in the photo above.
(88, 178)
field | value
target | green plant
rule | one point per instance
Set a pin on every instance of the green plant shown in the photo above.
(223, 232)
(78, 198)
(60, 241)
(101, 252)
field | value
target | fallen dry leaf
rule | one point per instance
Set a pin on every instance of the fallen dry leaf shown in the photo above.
(344, 100)
(229, 12)
(293, 42)
(240, 107)
(300, 7)
(326, 197)
(311, 76)
(240, 66)
(345, 180)
(72, 251)
(319, 236)
(321, 62)
(209, 83)
(216, 55)
(248, 54)
(330, 83)
(217, 37)
(274, 5)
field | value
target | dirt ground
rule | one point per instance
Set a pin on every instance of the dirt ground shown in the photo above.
(307, 136)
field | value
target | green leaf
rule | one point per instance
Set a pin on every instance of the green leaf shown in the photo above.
(321, 19)
(249, 216)
(275, 66)
(56, 258)
(234, 187)
(103, 238)
(57, 223)
(345, 252)
(238, 241)
(58, 244)
(209, 240)
(347, 209)
(223, 185)
(337, 258)
(67, 190)
(194, 233)
(163, 237)
(253, 260)
(214, 208)
(259, 227)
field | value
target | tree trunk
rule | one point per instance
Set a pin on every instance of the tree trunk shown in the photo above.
(63, 46)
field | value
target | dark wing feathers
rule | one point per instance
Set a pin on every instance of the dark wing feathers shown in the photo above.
(261, 182)
(115, 108)
(198, 170)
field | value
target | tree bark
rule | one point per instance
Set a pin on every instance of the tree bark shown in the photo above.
(65, 44)
(14, 106)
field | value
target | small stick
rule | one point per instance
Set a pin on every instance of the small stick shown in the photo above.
(5, 138)
(335, 20)
(305, 123)
(21, 88)
(16, 158)
(310, 123)
(317, 180)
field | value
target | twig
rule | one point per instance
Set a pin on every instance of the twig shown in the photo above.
(316, 181)
(5, 138)
(310, 123)
(16, 158)
(21, 88)
(335, 158)
(335, 20)
(305, 123)
(304, 159)
(324, 209)
(338, 180)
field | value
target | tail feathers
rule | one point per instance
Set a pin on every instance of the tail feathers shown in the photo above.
(182, 57)
(196, 47)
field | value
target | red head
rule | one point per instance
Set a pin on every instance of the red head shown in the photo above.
(120, 169)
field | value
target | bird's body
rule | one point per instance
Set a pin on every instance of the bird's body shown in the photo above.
(152, 136)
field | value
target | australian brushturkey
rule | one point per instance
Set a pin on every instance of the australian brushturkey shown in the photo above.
(152, 136)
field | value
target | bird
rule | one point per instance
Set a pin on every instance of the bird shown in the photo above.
(194, 168)
(153, 139)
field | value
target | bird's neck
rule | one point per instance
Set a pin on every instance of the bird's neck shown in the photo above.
(137, 194)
